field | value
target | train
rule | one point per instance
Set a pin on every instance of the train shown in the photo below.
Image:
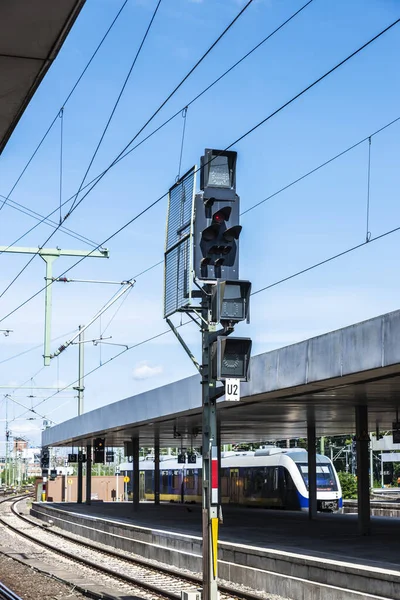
(269, 477)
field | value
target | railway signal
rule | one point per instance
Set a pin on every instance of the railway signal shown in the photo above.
(202, 248)
(230, 358)
(230, 302)
(45, 458)
(216, 225)
(98, 450)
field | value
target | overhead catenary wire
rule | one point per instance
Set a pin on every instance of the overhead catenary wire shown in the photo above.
(263, 289)
(167, 99)
(368, 233)
(34, 348)
(240, 138)
(179, 112)
(32, 258)
(77, 82)
(75, 206)
(38, 217)
(61, 116)
(110, 118)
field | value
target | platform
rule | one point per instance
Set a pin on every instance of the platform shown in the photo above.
(280, 551)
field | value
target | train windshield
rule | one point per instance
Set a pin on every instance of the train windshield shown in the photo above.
(326, 481)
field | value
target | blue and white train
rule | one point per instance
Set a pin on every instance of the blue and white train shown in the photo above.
(270, 477)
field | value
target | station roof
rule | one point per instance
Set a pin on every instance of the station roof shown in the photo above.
(31, 35)
(322, 378)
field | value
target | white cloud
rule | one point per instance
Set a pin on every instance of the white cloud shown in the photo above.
(143, 370)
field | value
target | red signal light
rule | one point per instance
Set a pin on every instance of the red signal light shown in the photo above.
(222, 215)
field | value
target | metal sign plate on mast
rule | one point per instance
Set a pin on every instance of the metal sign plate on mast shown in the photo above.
(232, 390)
(178, 263)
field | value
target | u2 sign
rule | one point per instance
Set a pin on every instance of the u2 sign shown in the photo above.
(232, 390)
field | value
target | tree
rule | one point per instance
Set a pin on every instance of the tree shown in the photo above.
(348, 483)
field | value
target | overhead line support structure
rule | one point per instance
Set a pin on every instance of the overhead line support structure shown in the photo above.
(49, 255)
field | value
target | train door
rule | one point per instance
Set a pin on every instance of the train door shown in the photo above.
(234, 486)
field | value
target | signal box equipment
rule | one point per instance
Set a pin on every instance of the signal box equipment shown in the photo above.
(72, 458)
(45, 458)
(216, 221)
(191, 459)
(181, 459)
(230, 302)
(231, 358)
(81, 457)
(110, 456)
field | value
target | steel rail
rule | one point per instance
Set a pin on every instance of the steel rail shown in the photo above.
(7, 594)
(179, 577)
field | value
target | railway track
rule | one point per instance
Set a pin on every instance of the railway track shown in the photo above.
(115, 567)
(7, 594)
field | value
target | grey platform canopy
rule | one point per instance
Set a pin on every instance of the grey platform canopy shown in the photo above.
(31, 35)
(321, 379)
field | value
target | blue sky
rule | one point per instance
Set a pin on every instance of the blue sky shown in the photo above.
(322, 215)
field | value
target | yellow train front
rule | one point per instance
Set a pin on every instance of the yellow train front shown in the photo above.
(270, 477)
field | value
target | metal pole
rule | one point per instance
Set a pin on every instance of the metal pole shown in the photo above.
(136, 478)
(371, 467)
(312, 469)
(157, 467)
(48, 259)
(382, 478)
(363, 500)
(7, 477)
(89, 474)
(210, 464)
(80, 406)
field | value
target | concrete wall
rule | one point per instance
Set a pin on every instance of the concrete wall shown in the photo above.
(101, 488)
(291, 575)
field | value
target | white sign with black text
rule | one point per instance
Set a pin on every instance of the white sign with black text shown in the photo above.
(232, 390)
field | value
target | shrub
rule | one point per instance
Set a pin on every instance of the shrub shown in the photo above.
(349, 485)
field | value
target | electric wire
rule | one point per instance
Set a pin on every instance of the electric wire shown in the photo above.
(324, 164)
(179, 112)
(263, 289)
(299, 179)
(115, 104)
(35, 348)
(243, 136)
(75, 205)
(368, 233)
(150, 339)
(348, 149)
(32, 258)
(102, 332)
(61, 115)
(167, 99)
(64, 103)
(327, 260)
(38, 217)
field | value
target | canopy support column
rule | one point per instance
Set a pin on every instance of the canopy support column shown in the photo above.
(312, 469)
(157, 467)
(363, 501)
(89, 474)
(136, 479)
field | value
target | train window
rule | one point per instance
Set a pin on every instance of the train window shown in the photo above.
(326, 480)
(189, 482)
(289, 484)
(176, 480)
(164, 482)
(148, 479)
